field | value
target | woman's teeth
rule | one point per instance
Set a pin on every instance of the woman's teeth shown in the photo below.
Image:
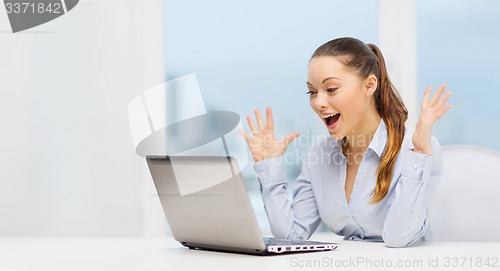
(327, 116)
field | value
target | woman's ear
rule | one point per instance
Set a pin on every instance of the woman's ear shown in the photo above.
(371, 85)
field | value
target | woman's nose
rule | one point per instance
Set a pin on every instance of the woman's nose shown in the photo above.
(321, 100)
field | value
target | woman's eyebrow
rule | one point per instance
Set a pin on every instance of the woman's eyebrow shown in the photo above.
(324, 80)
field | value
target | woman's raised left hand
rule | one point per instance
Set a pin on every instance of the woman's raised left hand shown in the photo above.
(431, 111)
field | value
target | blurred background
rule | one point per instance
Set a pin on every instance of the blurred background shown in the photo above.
(68, 166)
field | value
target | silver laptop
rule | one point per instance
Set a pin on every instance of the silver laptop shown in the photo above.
(206, 204)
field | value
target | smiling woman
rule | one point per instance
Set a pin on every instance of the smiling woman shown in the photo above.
(372, 179)
(363, 109)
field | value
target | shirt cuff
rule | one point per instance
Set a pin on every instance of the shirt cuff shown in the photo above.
(416, 164)
(270, 170)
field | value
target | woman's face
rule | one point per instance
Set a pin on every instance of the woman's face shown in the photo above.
(340, 98)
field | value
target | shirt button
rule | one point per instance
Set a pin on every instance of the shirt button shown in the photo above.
(415, 166)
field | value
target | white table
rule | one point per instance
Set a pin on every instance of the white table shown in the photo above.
(166, 254)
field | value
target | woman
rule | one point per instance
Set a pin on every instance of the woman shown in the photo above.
(372, 179)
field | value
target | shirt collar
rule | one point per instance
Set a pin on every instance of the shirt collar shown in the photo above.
(379, 139)
(377, 144)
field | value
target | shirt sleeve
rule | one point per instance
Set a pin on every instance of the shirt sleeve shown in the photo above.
(408, 217)
(297, 219)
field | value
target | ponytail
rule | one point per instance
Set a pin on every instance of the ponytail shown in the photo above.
(394, 113)
(367, 59)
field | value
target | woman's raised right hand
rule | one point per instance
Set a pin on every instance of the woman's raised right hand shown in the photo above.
(263, 144)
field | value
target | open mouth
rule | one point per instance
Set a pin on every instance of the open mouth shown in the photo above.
(331, 120)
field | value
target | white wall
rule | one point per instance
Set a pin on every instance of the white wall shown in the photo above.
(67, 163)
(397, 38)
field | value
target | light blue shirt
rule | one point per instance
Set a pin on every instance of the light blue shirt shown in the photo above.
(400, 219)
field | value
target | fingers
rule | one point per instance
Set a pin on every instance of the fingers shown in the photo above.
(437, 95)
(443, 99)
(260, 121)
(269, 117)
(289, 138)
(427, 96)
(443, 110)
(252, 126)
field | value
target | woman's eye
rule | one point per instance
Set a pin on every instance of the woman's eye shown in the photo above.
(310, 92)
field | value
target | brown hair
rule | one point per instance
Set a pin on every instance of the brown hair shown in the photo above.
(366, 59)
